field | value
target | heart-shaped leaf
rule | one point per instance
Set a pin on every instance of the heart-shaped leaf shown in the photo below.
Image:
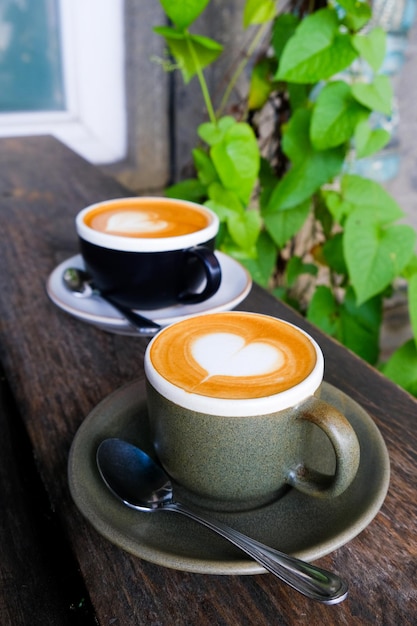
(213, 133)
(402, 367)
(368, 141)
(358, 13)
(190, 189)
(236, 158)
(374, 254)
(183, 12)
(244, 228)
(335, 116)
(372, 47)
(384, 208)
(258, 12)
(205, 169)
(376, 96)
(262, 266)
(191, 52)
(283, 224)
(317, 51)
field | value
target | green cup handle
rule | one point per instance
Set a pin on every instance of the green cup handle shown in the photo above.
(345, 445)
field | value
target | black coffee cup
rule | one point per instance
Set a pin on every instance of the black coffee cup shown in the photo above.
(150, 252)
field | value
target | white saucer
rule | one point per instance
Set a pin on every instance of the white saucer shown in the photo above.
(235, 286)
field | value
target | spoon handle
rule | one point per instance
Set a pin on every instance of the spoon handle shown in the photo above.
(143, 325)
(313, 582)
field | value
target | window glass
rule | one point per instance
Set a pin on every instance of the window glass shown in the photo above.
(31, 77)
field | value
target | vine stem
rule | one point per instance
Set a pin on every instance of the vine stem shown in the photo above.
(252, 47)
(203, 83)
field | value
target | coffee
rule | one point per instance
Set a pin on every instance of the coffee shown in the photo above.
(233, 355)
(235, 412)
(152, 218)
(150, 252)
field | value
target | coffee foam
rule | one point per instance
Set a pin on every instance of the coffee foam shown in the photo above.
(234, 358)
(150, 219)
(147, 224)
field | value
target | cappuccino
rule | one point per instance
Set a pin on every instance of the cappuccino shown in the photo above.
(152, 218)
(230, 359)
(235, 415)
(150, 252)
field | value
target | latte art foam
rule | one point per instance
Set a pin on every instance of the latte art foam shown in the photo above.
(153, 219)
(233, 355)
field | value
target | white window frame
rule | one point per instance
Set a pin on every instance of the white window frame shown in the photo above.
(94, 121)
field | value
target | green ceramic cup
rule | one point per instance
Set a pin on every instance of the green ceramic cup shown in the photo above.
(236, 416)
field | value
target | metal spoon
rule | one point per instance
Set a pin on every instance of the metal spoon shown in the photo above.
(134, 478)
(80, 284)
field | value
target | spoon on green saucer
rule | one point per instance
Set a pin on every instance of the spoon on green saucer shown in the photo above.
(140, 483)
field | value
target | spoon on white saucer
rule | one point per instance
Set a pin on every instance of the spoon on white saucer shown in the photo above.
(140, 483)
(79, 283)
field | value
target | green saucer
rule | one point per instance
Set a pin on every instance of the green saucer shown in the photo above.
(303, 526)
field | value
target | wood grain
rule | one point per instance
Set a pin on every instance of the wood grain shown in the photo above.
(59, 368)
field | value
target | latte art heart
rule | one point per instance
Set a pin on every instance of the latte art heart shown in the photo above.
(147, 218)
(227, 354)
(133, 222)
(233, 355)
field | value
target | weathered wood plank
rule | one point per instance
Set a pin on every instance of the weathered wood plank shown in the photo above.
(59, 368)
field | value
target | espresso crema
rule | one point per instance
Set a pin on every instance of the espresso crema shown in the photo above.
(233, 355)
(150, 219)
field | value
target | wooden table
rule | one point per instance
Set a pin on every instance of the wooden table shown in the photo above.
(55, 568)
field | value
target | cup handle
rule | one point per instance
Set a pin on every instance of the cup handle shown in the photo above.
(212, 271)
(345, 445)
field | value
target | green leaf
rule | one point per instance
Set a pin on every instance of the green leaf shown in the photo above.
(191, 52)
(183, 12)
(283, 29)
(302, 181)
(223, 201)
(317, 51)
(190, 189)
(335, 116)
(261, 84)
(333, 254)
(358, 192)
(298, 95)
(236, 158)
(296, 267)
(323, 310)
(205, 169)
(244, 228)
(258, 12)
(267, 182)
(335, 204)
(262, 267)
(311, 169)
(372, 47)
(375, 254)
(376, 96)
(412, 304)
(411, 268)
(284, 223)
(213, 133)
(402, 367)
(359, 326)
(296, 142)
(369, 141)
(357, 13)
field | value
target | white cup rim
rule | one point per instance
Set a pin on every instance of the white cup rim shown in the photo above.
(138, 244)
(238, 407)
